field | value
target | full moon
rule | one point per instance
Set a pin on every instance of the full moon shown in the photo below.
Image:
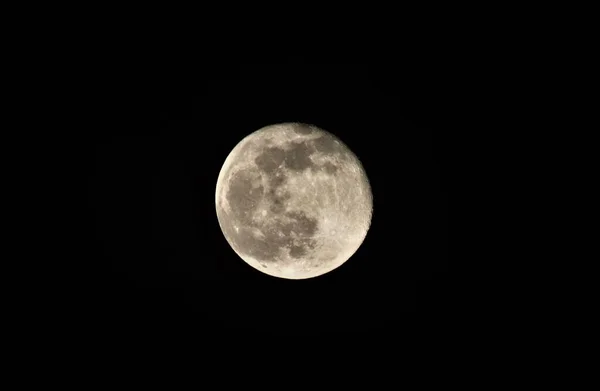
(293, 201)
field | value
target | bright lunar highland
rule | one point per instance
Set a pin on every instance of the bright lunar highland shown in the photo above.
(293, 201)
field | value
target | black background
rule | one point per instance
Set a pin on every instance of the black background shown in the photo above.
(167, 127)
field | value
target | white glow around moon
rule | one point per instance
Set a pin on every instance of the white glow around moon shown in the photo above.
(293, 201)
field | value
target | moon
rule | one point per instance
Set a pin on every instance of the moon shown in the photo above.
(293, 201)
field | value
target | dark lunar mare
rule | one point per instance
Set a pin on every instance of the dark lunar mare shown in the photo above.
(303, 129)
(326, 144)
(329, 168)
(242, 197)
(270, 159)
(297, 158)
(244, 200)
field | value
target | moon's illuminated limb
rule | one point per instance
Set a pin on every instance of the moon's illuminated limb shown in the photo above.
(293, 201)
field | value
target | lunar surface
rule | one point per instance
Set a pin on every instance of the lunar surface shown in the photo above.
(293, 201)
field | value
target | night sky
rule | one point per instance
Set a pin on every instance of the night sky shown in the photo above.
(168, 127)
